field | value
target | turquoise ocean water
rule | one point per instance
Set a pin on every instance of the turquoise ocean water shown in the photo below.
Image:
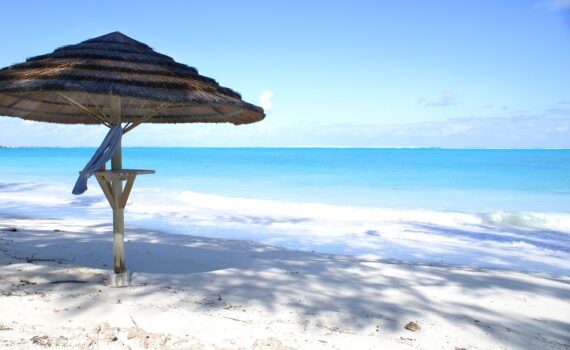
(438, 179)
(507, 209)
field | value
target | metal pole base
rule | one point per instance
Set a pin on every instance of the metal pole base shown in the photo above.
(118, 280)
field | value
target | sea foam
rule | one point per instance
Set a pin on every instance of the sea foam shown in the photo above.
(525, 241)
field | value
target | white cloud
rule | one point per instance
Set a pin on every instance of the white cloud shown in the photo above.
(446, 99)
(542, 129)
(265, 100)
(529, 131)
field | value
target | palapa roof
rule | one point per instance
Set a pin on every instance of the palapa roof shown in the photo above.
(72, 85)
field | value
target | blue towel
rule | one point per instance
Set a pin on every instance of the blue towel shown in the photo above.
(105, 152)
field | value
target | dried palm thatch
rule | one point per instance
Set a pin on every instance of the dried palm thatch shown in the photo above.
(72, 86)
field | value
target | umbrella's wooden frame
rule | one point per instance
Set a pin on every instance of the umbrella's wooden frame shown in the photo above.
(112, 185)
(111, 182)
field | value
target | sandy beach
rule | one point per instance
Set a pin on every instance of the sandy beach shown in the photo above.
(202, 293)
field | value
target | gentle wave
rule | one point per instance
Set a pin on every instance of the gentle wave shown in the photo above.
(531, 220)
(528, 241)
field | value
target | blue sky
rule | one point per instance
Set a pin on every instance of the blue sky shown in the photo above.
(405, 73)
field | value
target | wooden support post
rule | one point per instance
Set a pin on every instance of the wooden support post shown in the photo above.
(118, 211)
(127, 191)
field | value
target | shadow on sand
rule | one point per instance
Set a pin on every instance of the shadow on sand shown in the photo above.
(359, 293)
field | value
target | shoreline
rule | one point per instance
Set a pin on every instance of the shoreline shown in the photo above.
(520, 241)
(202, 293)
(363, 257)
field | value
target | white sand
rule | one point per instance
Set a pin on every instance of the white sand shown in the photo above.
(198, 293)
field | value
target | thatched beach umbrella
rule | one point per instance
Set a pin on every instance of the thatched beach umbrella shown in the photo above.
(119, 82)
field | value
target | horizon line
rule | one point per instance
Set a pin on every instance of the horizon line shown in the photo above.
(295, 147)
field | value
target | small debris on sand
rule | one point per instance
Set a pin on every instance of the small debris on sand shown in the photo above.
(412, 326)
(41, 341)
(269, 344)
